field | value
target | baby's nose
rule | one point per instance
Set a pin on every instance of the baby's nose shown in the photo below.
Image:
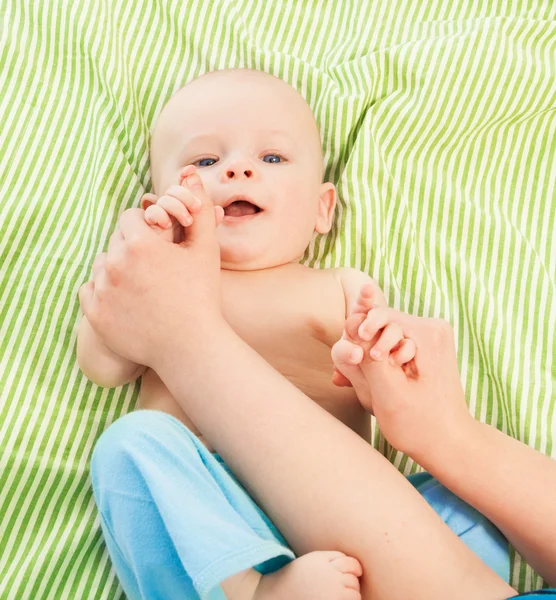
(237, 173)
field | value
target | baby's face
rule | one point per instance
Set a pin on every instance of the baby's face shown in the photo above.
(256, 147)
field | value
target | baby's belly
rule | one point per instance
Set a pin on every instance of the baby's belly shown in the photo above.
(314, 380)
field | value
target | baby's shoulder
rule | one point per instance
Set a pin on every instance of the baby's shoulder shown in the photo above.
(350, 279)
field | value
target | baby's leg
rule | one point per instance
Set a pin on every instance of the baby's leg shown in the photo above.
(175, 520)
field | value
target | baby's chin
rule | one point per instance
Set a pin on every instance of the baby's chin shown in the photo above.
(233, 261)
(247, 259)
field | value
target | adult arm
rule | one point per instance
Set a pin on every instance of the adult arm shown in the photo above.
(428, 419)
(510, 483)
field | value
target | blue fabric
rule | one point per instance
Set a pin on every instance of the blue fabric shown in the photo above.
(175, 519)
(474, 529)
(540, 594)
(177, 522)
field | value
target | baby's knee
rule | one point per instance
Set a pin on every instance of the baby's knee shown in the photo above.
(136, 440)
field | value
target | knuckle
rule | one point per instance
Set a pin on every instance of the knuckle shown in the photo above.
(164, 201)
(175, 190)
(134, 248)
(441, 329)
(113, 275)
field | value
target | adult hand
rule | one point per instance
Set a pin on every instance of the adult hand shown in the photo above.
(417, 415)
(146, 290)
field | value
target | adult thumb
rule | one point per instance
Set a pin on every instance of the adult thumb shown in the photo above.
(203, 228)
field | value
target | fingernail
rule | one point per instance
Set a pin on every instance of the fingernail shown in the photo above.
(376, 354)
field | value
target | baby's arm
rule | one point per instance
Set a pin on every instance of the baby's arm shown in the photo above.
(97, 362)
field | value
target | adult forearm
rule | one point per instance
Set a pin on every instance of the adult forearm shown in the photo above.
(323, 486)
(510, 483)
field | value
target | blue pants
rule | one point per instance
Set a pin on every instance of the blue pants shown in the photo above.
(177, 522)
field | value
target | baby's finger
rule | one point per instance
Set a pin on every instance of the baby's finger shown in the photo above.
(404, 353)
(352, 325)
(156, 215)
(376, 320)
(365, 299)
(390, 337)
(186, 197)
(348, 564)
(175, 207)
(148, 199)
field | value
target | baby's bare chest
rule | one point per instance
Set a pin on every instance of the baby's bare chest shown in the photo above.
(291, 316)
(285, 316)
(292, 322)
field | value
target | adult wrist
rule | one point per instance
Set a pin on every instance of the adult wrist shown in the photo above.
(451, 447)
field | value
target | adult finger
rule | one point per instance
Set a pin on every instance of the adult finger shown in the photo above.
(132, 225)
(404, 353)
(98, 264)
(391, 335)
(340, 380)
(203, 228)
(346, 352)
(86, 293)
(346, 357)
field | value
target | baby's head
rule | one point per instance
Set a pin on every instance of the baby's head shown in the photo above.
(251, 137)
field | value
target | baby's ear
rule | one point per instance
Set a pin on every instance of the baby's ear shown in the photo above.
(148, 200)
(327, 203)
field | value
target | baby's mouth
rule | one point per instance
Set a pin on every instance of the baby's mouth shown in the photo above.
(241, 208)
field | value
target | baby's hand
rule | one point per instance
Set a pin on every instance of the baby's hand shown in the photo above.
(177, 206)
(178, 202)
(370, 334)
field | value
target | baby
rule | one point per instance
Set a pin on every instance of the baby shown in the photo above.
(255, 144)
(253, 141)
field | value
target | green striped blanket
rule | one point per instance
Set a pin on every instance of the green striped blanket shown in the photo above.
(439, 126)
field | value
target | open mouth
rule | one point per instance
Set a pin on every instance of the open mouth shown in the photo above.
(241, 208)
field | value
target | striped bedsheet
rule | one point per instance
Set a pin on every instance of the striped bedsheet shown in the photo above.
(438, 121)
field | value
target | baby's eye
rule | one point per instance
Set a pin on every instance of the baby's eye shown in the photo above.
(274, 158)
(203, 162)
